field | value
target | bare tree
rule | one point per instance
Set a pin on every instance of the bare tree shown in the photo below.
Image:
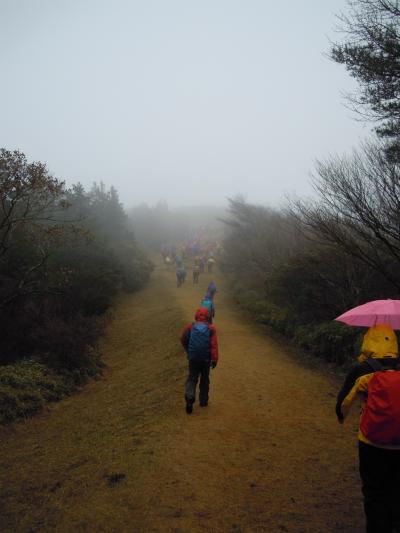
(358, 208)
(259, 238)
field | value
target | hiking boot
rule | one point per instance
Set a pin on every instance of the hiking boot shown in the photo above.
(189, 407)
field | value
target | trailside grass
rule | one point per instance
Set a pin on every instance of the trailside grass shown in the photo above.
(76, 466)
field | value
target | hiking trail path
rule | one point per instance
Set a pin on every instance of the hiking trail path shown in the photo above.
(266, 455)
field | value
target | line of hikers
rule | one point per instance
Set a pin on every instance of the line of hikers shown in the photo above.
(198, 268)
(199, 340)
(203, 260)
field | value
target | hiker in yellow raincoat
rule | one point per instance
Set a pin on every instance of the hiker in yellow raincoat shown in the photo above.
(375, 383)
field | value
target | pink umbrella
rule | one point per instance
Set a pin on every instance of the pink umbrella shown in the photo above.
(373, 313)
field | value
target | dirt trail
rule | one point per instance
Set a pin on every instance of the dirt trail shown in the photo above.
(266, 455)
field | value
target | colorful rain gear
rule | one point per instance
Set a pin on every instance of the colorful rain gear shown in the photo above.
(212, 289)
(208, 303)
(180, 275)
(379, 455)
(200, 368)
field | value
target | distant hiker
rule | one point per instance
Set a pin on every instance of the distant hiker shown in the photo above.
(180, 276)
(208, 303)
(211, 289)
(375, 380)
(202, 263)
(199, 340)
(196, 274)
(210, 264)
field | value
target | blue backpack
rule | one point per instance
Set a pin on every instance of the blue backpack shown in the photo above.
(199, 343)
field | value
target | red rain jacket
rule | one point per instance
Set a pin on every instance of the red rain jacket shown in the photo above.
(202, 315)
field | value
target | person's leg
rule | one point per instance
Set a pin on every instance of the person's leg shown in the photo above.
(374, 472)
(204, 384)
(394, 495)
(191, 382)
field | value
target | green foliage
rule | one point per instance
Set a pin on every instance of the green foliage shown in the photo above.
(89, 277)
(262, 310)
(64, 256)
(331, 341)
(69, 346)
(113, 246)
(135, 268)
(321, 282)
(370, 52)
(25, 387)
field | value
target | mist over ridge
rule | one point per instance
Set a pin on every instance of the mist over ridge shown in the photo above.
(192, 103)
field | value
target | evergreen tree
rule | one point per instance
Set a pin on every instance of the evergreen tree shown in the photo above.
(371, 53)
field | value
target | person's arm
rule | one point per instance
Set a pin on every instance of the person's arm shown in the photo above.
(213, 344)
(360, 388)
(356, 372)
(185, 336)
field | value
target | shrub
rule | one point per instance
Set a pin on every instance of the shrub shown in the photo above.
(25, 387)
(69, 346)
(331, 341)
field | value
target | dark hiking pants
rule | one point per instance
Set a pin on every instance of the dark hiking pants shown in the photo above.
(197, 370)
(380, 476)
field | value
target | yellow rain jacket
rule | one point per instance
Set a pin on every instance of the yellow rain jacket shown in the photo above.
(380, 342)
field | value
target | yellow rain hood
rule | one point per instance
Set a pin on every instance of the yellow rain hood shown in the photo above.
(379, 341)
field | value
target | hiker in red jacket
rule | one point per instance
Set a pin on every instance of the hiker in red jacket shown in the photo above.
(199, 340)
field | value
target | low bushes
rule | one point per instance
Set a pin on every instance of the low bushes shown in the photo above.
(70, 347)
(331, 341)
(25, 387)
(69, 357)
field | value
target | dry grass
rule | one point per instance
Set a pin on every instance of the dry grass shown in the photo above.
(265, 456)
(76, 466)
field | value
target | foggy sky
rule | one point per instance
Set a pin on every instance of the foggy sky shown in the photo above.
(182, 100)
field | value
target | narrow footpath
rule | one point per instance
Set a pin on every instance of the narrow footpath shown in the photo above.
(266, 455)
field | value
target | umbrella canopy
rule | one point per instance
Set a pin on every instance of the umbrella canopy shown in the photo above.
(373, 313)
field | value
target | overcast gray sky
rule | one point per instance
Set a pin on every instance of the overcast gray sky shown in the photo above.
(189, 101)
